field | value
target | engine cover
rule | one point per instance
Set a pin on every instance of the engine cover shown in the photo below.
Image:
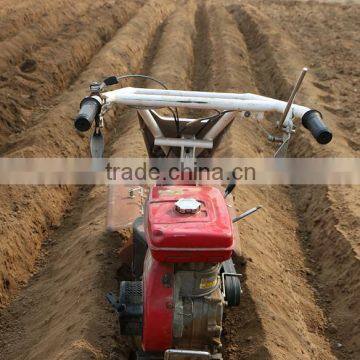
(201, 233)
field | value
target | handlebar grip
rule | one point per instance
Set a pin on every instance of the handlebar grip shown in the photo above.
(89, 109)
(312, 120)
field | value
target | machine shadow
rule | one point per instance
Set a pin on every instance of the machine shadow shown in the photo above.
(243, 334)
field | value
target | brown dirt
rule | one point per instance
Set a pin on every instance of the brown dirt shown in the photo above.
(29, 81)
(328, 219)
(300, 255)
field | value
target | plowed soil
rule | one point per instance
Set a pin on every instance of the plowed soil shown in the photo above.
(300, 256)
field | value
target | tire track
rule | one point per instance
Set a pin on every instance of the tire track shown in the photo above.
(58, 64)
(330, 251)
(41, 207)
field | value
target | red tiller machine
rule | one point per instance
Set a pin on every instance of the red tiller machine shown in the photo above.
(181, 251)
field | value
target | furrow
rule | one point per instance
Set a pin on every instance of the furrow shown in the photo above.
(167, 61)
(173, 60)
(328, 222)
(54, 136)
(274, 298)
(29, 24)
(55, 66)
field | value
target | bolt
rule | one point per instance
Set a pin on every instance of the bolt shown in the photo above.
(170, 305)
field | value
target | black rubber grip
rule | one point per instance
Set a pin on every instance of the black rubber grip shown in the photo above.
(312, 120)
(89, 109)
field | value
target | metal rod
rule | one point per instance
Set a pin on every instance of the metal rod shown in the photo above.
(292, 96)
(205, 144)
(201, 94)
(246, 213)
(154, 100)
(152, 126)
(220, 125)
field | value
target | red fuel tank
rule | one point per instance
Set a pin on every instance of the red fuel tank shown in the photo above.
(188, 224)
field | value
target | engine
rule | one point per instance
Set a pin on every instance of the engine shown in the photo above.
(184, 275)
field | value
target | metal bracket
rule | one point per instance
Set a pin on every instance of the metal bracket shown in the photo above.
(111, 298)
(132, 192)
(282, 149)
(97, 143)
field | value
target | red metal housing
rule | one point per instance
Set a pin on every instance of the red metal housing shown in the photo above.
(158, 295)
(206, 236)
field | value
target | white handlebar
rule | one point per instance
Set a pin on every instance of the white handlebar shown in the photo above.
(148, 99)
(154, 98)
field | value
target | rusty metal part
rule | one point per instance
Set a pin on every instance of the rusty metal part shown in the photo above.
(124, 206)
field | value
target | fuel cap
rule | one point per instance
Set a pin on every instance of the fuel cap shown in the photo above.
(187, 206)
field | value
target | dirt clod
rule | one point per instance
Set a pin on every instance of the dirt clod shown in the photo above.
(28, 66)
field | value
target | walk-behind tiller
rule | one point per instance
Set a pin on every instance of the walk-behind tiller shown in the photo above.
(183, 273)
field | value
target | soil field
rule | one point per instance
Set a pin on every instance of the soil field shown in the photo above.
(300, 256)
